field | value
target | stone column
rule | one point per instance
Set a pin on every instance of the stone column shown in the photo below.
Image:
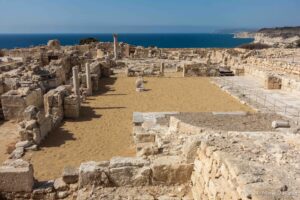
(183, 70)
(162, 69)
(115, 46)
(88, 79)
(76, 81)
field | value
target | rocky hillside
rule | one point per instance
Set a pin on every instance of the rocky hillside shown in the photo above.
(288, 37)
(284, 32)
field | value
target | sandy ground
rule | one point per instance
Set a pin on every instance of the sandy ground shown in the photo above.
(8, 135)
(105, 126)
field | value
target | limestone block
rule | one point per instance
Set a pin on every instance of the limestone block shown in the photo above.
(71, 107)
(60, 185)
(130, 176)
(273, 82)
(143, 137)
(189, 149)
(281, 124)
(187, 128)
(24, 144)
(16, 176)
(128, 161)
(93, 173)
(45, 126)
(30, 112)
(146, 149)
(169, 170)
(15, 102)
(70, 175)
(174, 124)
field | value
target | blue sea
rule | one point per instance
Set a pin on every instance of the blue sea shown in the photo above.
(201, 40)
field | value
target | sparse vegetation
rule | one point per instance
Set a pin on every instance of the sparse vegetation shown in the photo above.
(253, 46)
(88, 41)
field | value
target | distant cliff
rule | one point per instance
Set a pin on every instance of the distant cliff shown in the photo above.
(275, 37)
(245, 35)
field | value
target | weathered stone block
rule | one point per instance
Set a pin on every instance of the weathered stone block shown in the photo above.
(169, 170)
(16, 176)
(144, 137)
(189, 149)
(128, 161)
(70, 175)
(273, 82)
(93, 173)
(130, 176)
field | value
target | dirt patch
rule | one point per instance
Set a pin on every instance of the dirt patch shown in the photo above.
(249, 122)
(104, 128)
(8, 138)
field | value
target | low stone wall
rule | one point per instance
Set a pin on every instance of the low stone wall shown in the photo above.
(200, 69)
(219, 165)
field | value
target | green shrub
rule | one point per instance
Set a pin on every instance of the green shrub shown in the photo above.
(88, 41)
(254, 46)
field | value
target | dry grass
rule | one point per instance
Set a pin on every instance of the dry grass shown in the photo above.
(105, 126)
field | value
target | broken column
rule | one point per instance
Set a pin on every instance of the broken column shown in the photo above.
(115, 46)
(162, 69)
(76, 81)
(88, 79)
(184, 70)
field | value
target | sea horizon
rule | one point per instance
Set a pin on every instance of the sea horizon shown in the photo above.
(160, 40)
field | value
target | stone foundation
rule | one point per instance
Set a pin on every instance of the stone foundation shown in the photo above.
(15, 102)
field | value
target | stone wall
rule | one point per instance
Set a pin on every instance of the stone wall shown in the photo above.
(15, 102)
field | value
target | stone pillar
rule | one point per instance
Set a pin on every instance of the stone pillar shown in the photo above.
(162, 69)
(183, 70)
(88, 79)
(76, 81)
(115, 46)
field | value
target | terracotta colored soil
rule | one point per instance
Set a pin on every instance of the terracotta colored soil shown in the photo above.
(105, 125)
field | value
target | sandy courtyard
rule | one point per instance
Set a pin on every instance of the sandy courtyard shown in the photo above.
(105, 125)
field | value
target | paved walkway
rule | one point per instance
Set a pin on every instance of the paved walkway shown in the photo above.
(248, 88)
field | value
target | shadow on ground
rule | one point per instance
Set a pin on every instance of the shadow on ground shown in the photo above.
(57, 137)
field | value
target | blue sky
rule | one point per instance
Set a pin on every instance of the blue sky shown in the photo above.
(105, 16)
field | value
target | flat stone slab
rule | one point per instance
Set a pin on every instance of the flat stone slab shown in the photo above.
(230, 113)
(140, 117)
